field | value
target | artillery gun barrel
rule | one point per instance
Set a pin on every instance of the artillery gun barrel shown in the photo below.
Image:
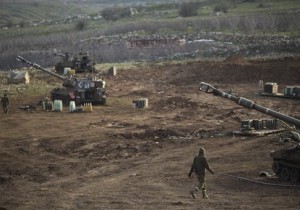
(34, 65)
(207, 88)
(60, 54)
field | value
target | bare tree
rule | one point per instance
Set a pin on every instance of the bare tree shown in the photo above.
(233, 23)
(222, 6)
(188, 9)
(294, 23)
(250, 24)
(268, 24)
(80, 25)
(216, 23)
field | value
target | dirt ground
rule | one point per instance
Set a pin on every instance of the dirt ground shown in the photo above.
(117, 157)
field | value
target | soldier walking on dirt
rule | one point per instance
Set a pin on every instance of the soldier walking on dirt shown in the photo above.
(5, 103)
(199, 165)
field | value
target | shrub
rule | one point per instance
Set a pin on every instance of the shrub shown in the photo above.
(80, 25)
(115, 13)
(221, 7)
(188, 9)
(22, 23)
(264, 5)
(9, 24)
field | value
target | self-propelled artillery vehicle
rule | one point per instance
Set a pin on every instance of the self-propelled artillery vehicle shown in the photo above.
(81, 63)
(80, 90)
(286, 161)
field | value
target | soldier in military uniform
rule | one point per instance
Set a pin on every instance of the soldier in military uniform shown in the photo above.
(199, 165)
(47, 104)
(5, 103)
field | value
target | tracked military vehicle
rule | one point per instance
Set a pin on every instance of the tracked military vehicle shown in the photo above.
(286, 161)
(81, 63)
(80, 90)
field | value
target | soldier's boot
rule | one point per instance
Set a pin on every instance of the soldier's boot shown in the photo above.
(204, 195)
(192, 192)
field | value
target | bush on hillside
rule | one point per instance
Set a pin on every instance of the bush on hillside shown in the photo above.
(222, 7)
(264, 5)
(22, 23)
(116, 13)
(80, 25)
(188, 9)
(9, 24)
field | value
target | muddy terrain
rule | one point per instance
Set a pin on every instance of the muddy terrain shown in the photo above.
(117, 157)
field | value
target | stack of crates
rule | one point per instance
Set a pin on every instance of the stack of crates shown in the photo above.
(257, 124)
(293, 91)
(87, 107)
(140, 103)
(296, 91)
(269, 124)
(271, 87)
(287, 91)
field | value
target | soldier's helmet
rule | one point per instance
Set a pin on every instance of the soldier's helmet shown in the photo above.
(201, 151)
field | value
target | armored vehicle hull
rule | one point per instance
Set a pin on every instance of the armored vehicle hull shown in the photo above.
(80, 97)
(81, 63)
(80, 90)
(286, 163)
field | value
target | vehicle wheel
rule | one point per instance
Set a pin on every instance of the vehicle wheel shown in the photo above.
(294, 174)
(284, 174)
(276, 168)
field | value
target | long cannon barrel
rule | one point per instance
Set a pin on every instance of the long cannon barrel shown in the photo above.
(34, 65)
(207, 88)
(60, 54)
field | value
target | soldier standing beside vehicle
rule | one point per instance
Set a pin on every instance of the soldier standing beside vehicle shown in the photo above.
(199, 165)
(5, 103)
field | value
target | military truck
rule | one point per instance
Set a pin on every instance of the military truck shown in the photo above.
(80, 90)
(286, 161)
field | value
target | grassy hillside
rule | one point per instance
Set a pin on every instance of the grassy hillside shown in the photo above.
(18, 12)
(26, 12)
(34, 17)
(15, 13)
(51, 26)
(270, 6)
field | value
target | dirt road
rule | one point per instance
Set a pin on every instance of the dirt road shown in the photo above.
(117, 157)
